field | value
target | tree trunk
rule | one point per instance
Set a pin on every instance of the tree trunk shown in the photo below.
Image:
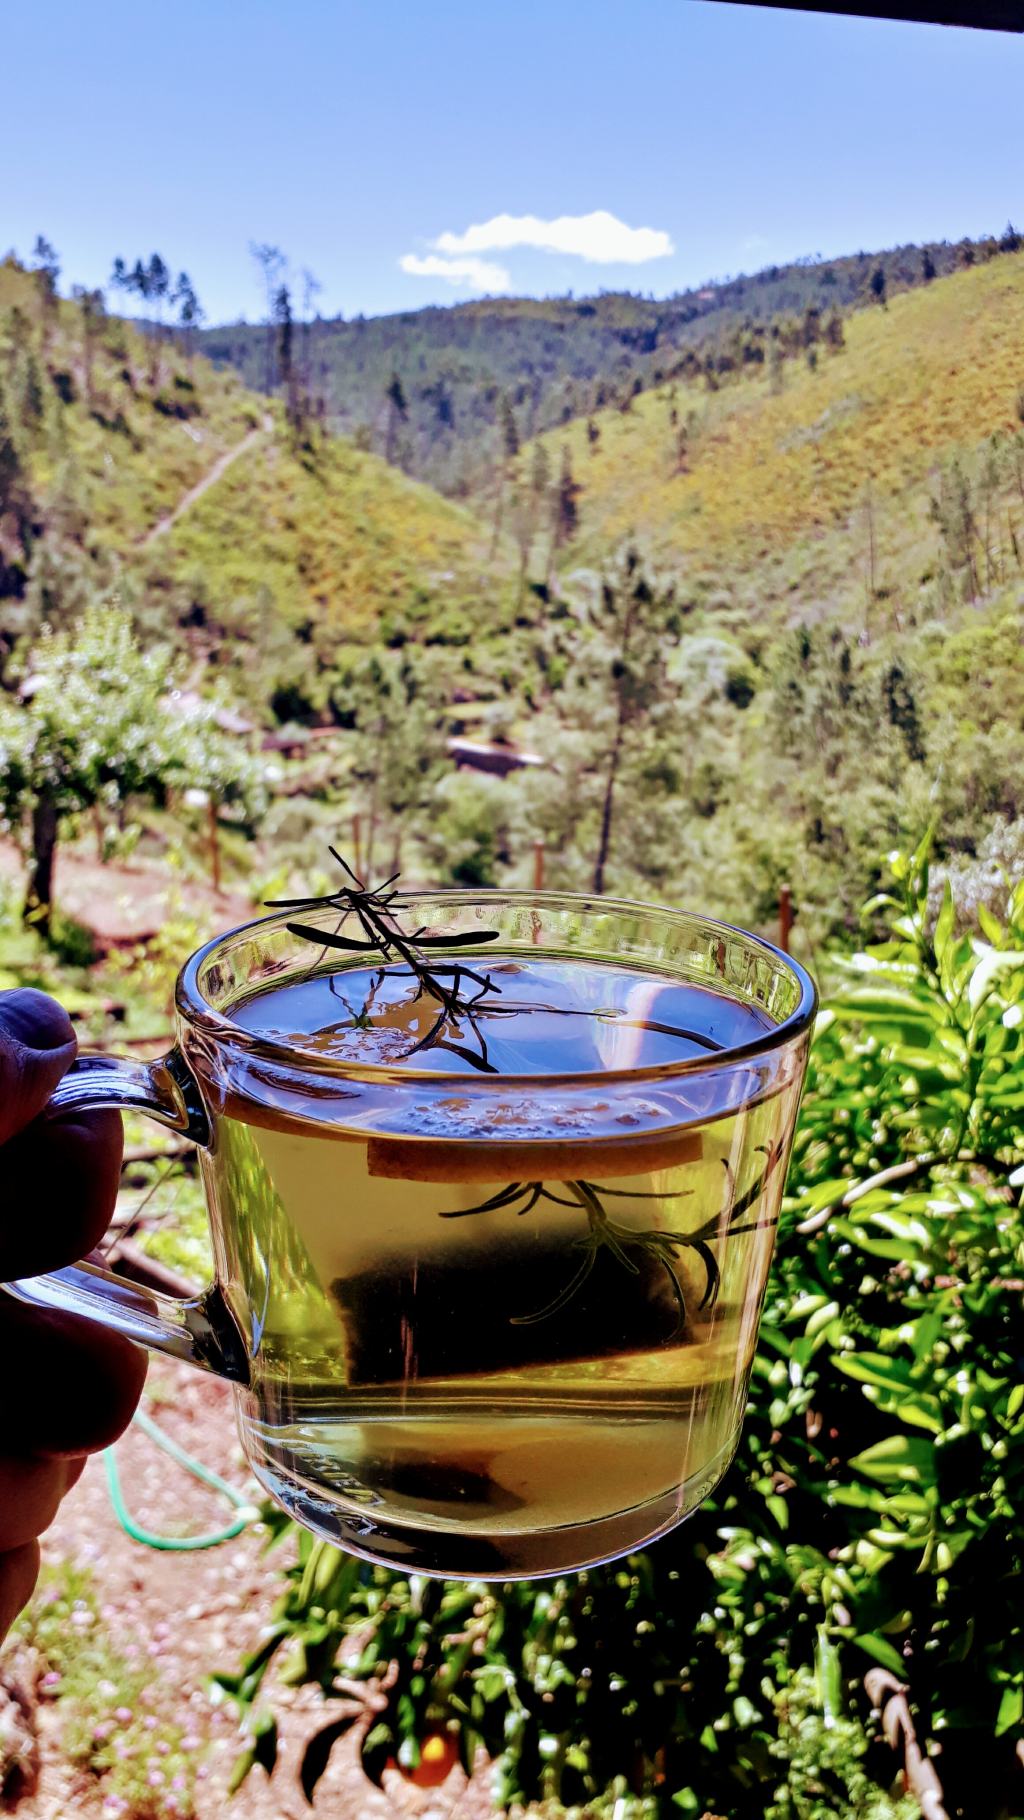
(606, 813)
(499, 512)
(39, 897)
(213, 833)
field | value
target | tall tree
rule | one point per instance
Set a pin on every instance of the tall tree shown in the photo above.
(46, 265)
(271, 262)
(286, 367)
(92, 314)
(190, 312)
(398, 412)
(508, 443)
(634, 630)
(150, 281)
(394, 703)
(311, 288)
(566, 501)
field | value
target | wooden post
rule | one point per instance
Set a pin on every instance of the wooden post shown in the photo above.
(211, 822)
(785, 917)
(357, 844)
(538, 865)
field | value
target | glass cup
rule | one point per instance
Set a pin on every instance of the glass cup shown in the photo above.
(478, 1325)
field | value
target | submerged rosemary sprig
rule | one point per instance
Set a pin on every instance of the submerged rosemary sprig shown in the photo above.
(605, 1233)
(372, 907)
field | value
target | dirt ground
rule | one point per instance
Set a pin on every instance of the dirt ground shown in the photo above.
(128, 901)
(192, 1614)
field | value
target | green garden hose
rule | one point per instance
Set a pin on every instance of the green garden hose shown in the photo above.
(247, 1511)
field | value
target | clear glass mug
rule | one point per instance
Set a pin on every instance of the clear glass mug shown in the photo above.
(478, 1325)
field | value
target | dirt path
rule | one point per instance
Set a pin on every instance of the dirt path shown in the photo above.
(187, 1615)
(220, 466)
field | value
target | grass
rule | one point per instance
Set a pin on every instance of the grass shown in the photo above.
(341, 540)
(107, 1699)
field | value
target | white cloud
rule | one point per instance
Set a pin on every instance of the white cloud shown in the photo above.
(600, 238)
(469, 274)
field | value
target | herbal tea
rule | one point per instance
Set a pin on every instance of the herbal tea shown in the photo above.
(495, 1339)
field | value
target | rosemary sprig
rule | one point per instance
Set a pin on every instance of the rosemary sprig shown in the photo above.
(605, 1233)
(382, 934)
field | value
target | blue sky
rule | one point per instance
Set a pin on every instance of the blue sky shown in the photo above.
(356, 134)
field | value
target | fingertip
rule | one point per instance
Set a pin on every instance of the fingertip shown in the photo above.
(37, 1046)
(34, 1019)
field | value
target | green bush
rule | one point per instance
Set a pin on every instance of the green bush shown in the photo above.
(872, 1520)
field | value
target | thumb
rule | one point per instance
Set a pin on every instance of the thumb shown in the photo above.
(37, 1047)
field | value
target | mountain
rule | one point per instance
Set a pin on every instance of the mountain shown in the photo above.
(461, 369)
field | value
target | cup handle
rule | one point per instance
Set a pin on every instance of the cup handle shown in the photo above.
(201, 1328)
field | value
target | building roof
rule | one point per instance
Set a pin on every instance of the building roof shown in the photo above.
(988, 15)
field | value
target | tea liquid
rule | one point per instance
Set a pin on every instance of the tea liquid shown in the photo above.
(502, 1331)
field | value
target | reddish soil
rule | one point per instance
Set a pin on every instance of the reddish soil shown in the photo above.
(193, 1614)
(122, 903)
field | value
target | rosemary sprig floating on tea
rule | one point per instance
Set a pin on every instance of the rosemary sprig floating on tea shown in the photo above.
(372, 907)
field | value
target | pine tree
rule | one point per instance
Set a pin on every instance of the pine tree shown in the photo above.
(46, 265)
(567, 495)
(271, 262)
(285, 357)
(509, 428)
(92, 313)
(398, 412)
(632, 626)
(190, 312)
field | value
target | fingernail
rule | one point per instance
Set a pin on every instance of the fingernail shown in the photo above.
(35, 1020)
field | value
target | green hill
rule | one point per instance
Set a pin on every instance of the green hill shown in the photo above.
(831, 562)
(127, 459)
(787, 480)
(556, 358)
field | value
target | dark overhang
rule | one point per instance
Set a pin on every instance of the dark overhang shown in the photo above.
(987, 15)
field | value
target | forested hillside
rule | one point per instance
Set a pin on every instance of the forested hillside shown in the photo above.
(434, 389)
(127, 463)
(756, 625)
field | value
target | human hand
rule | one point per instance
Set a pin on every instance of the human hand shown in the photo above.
(67, 1386)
